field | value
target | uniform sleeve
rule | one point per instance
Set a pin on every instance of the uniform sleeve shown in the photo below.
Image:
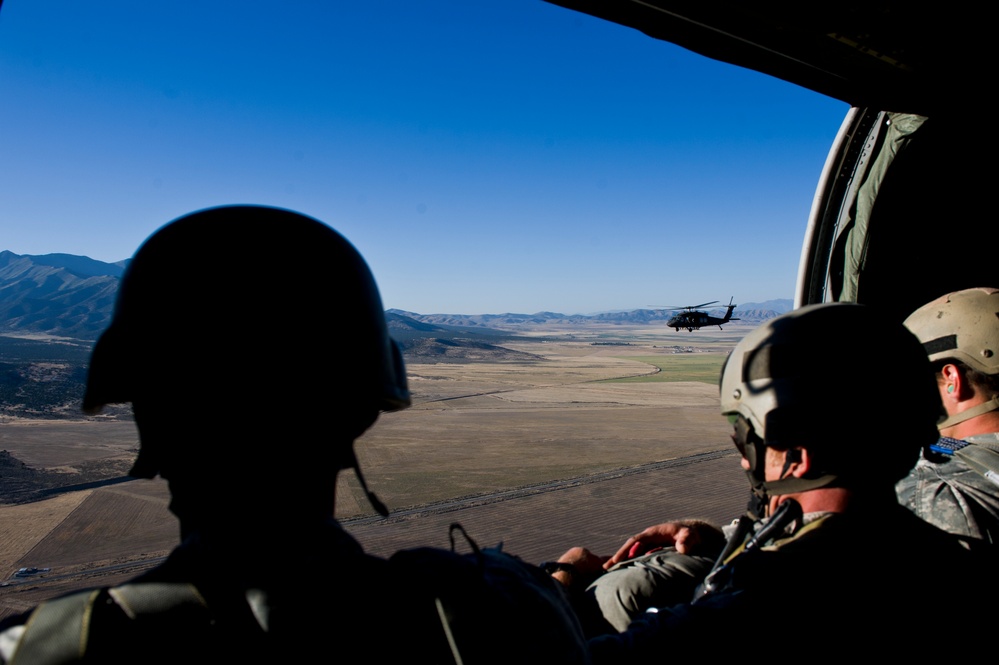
(953, 497)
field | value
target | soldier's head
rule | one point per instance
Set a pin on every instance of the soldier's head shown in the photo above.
(960, 333)
(835, 384)
(252, 345)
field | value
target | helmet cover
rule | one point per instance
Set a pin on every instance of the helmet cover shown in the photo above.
(963, 326)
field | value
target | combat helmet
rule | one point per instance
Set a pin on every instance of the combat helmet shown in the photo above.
(799, 380)
(250, 309)
(962, 326)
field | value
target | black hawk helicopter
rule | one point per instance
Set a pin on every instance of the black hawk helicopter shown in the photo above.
(690, 318)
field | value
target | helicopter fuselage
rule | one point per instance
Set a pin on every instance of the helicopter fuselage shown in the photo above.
(692, 319)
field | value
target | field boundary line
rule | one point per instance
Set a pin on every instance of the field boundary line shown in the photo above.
(461, 503)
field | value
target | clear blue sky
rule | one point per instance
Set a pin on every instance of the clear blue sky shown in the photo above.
(485, 156)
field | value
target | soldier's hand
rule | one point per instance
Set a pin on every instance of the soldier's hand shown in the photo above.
(683, 536)
(584, 566)
(583, 560)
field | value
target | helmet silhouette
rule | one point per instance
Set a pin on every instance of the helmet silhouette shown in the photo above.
(247, 307)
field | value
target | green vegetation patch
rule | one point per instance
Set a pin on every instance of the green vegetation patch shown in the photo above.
(42, 380)
(703, 367)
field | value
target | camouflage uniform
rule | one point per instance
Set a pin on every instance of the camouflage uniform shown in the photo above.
(946, 492)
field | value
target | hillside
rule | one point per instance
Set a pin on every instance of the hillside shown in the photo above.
(56, 294)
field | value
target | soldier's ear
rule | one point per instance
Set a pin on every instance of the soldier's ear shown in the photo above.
(798, 461)
(955, 385)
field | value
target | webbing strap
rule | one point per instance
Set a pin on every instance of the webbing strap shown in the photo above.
(151, 599)
(968, 414)
(56, 632)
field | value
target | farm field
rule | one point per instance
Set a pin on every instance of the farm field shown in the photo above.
(607, 432)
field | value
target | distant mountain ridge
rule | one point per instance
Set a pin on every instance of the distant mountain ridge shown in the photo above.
(56, 294)
(73, 296)
(751, 312)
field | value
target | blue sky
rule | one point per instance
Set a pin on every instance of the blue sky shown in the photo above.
(484, 156)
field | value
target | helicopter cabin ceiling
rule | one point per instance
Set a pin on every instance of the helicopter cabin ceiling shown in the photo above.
(886, 55)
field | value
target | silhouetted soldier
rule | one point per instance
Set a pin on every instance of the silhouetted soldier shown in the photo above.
(252, 345)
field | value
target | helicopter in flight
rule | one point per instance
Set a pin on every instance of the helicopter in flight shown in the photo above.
(689, 317)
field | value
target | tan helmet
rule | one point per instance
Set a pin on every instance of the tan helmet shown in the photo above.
(963, 325)
(817, 377)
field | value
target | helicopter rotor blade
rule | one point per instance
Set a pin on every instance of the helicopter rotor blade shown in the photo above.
(705, 304)
(688, 308)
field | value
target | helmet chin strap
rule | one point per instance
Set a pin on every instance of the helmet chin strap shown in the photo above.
(792, 485)
(754, 450)
(372, 499)
(763, 490)
(968, 414)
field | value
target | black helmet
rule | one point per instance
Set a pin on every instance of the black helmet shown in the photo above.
(841, 380)
(248, 308)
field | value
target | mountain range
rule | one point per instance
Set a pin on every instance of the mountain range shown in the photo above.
(57, 294)
(73, 296)
(752, 312)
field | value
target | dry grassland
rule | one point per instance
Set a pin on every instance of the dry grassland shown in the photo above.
(474, 431)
